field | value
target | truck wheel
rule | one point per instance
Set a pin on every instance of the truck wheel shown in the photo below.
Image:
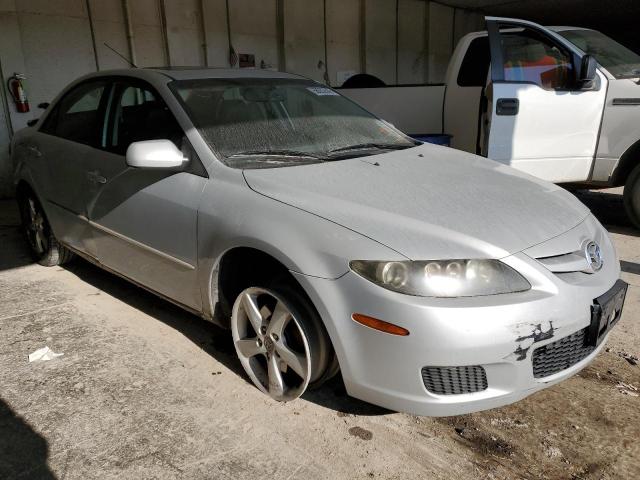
(632, 196)
(45, 248)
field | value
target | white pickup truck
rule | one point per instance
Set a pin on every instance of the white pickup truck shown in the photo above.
(560, 103)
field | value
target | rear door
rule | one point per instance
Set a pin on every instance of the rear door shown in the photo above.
(145, 220)
(541, 121)
(71, 133)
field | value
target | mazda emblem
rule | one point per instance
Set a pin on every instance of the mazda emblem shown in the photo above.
(593, 256)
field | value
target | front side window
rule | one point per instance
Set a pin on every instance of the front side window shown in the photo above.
(257, 123)
(140, 114)
(617, 59)
(531, 57)
(78, 116)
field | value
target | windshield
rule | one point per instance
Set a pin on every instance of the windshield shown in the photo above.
(259, 123)
(617, 59)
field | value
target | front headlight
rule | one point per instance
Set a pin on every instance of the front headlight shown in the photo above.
(443, 278)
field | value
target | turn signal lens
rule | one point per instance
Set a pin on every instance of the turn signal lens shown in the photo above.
(380, 325)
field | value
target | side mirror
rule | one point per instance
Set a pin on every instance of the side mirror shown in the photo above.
(587, 73)
(155, 154)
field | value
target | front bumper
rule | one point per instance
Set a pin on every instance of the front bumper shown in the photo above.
(498, 333)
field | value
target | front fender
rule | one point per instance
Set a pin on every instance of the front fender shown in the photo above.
(232, 215)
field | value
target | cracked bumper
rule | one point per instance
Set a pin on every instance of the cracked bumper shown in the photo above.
(498, 333)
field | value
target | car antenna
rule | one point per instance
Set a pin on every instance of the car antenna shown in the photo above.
(120, 55)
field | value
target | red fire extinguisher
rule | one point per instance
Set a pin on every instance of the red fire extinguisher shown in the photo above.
(14, 84)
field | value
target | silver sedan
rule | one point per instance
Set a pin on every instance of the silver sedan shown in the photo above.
(435, 281)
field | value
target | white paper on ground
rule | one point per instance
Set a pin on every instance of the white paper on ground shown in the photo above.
(43, 354)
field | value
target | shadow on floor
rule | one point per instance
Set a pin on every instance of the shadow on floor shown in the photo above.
(15, 252)
(23, 452)
(212, 339)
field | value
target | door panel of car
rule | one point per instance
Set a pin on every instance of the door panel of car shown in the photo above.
(145, 220)
(69, 135)
(541, 121)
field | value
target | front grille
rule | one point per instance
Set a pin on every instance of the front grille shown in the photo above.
(454, 380)
(561, 354)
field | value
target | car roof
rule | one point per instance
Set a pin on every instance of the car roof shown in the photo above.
(192, 73)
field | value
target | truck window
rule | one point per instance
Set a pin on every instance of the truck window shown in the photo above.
(529, 57)
(475, 65)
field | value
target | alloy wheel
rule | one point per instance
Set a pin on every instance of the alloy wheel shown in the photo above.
(35, 227)
(271, 344)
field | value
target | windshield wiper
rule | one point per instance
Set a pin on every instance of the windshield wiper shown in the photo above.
(368, 146)
(275, 153)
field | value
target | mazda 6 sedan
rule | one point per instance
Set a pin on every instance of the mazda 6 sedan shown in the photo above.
(327, 241)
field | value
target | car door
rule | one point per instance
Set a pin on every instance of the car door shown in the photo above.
(59, 150)
(542, 121)
(145, 220)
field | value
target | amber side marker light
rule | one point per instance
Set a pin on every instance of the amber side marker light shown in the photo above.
(380, 325)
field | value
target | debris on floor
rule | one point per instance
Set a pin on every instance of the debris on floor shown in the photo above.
(627, 389)
(632, 359)
(43, 354)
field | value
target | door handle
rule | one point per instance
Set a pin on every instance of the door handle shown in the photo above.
(507, 106)
(95, 177)
(35, 150)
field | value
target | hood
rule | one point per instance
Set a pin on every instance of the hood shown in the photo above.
(428, 202)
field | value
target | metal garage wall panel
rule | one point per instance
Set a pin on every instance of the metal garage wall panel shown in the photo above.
(411, 42)
(184, 32)
(380, 21)
(343, 37)
(109, 27)
(56, 45)
(253, 30)
(440, 41)
(147, 31)
(215, 22)
(68, 8)
(467, 21)
(304, 37)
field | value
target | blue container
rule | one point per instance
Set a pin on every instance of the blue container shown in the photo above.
(436, 139)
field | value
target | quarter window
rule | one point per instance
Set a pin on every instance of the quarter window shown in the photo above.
(475, 65)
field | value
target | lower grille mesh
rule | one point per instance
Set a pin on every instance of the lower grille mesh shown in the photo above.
(561, 354)
(454, 380)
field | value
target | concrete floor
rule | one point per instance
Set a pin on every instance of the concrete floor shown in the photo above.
(145, 390)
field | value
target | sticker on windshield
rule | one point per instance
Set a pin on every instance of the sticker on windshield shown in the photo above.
(322, 91)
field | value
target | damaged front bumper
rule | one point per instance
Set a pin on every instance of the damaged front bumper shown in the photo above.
(462, 354)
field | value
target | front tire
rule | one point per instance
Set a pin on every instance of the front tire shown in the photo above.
(280, 341)
(45, 248)
(631, 196)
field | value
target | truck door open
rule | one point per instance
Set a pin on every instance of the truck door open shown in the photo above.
(542, 120)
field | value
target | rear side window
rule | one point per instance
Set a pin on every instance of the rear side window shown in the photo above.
(475, 65)
(78, 116)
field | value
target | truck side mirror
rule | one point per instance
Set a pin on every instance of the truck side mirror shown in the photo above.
(587, 73)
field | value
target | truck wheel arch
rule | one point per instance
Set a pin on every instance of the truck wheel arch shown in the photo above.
(628, 161)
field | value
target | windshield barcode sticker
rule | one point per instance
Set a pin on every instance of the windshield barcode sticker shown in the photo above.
(321, 91)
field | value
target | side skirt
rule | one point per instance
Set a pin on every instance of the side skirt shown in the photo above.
(98, 264)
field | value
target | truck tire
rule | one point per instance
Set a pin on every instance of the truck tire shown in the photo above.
(632, 196)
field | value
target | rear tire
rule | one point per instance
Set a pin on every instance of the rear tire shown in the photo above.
(43, 245)
(631, 196)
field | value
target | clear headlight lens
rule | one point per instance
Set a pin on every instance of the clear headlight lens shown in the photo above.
(443, 278)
